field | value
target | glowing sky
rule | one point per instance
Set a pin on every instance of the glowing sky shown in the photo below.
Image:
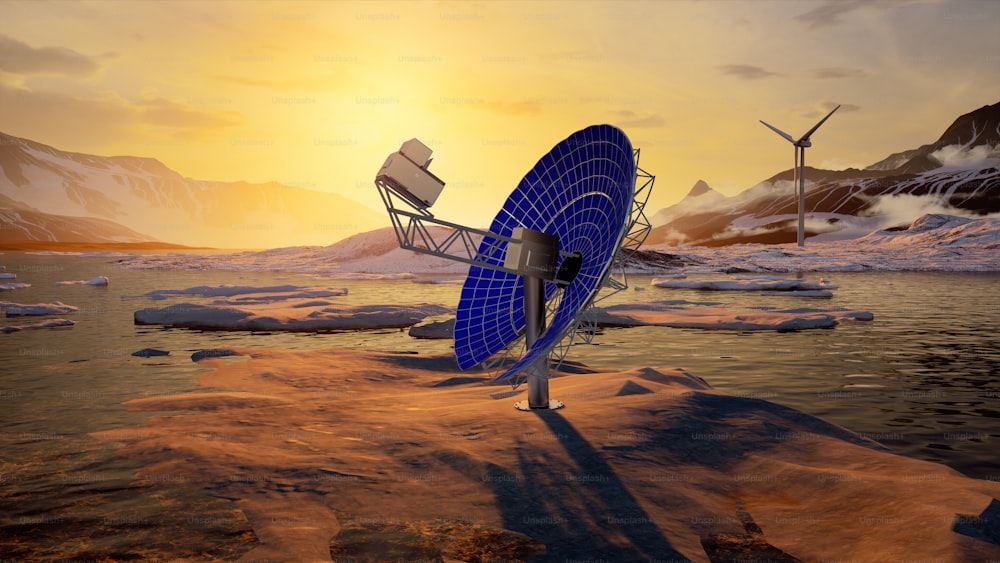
(316, 94)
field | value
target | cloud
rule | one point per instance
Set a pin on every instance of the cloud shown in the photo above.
(828, 13)
(514, 108)
(960, 156)
(20, 58)
(746, 72)
(164, 112)
(837, 72)
(320, 82)
(628, 118)
(831, 12)
(100, 120)
(826, 107)
(73, 121)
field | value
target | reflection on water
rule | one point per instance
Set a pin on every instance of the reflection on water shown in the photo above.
(922, 378)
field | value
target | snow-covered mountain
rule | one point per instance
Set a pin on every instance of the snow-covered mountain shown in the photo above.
(959, 174)
(23, 222)
(144, 195)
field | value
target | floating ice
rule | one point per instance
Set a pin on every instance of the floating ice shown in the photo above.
(12, 286)
(51, 323)
(434, 328)
(99, 280)
(744, 283)
(289, 317)
(721, 316)
(18, 309)
(273, 292)
(814, 293)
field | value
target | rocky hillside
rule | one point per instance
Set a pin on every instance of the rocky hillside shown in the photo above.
(958, 174)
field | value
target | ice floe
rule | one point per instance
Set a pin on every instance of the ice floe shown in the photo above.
(19, 309)
(273, 292)
(285, 316)
(13, 286)
(813, 293)
(745, 283)
(99, 280)
(51, 323)
(721, 316)
(436, 327)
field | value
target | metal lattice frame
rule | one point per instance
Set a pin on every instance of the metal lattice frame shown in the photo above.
(412, 232)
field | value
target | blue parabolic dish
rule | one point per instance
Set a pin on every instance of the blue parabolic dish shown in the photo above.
(581, 192)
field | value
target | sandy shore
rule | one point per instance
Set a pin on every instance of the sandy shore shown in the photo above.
(367, 456)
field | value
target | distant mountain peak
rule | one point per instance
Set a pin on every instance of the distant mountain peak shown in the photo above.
(976, 128)
(700, 187)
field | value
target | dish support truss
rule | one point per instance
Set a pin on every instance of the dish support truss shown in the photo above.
(461, 244)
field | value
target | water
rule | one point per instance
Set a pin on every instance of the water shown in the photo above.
(922, 378)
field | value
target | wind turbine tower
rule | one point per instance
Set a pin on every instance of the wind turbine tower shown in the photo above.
(799, 170)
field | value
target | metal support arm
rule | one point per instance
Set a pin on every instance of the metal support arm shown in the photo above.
(460, 244)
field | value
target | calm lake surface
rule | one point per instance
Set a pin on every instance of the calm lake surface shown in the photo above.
(923, 379)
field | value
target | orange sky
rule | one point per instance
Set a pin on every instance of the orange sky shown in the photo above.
(316, 94)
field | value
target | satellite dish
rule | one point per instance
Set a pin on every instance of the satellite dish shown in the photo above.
(551, 249)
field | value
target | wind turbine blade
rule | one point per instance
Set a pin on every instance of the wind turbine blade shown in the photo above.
(815, 127)
(779, 131)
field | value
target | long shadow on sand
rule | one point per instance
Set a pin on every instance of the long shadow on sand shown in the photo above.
(579, 510)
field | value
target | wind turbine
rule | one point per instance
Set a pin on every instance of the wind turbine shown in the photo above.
(799, 171)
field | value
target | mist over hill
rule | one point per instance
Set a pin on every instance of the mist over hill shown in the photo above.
(120, 198)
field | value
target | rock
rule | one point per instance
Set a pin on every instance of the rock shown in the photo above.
(434, 327)
(213, 353)
(149, 352)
